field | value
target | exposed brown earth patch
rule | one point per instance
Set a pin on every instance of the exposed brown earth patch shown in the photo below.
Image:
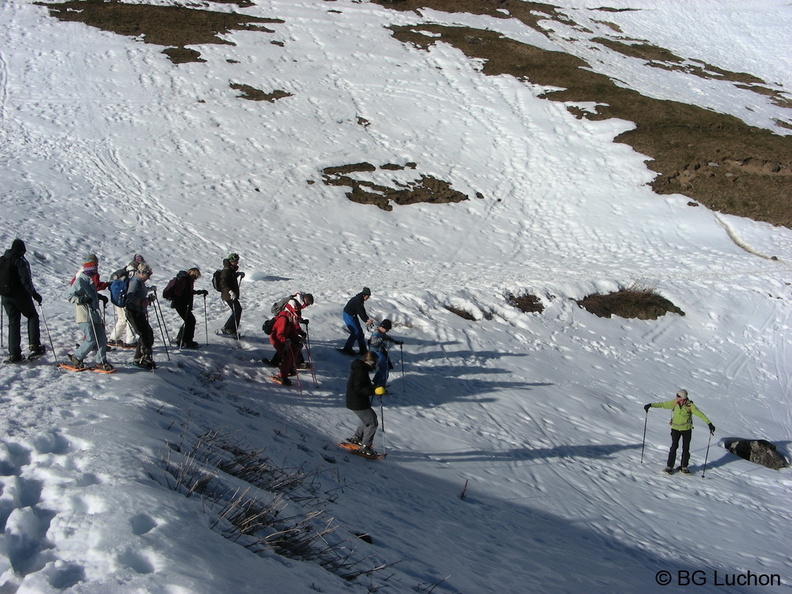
(642, 304)
(426, 188)
(253, 94)
(525, 303)
(172, 26)
(695, 152)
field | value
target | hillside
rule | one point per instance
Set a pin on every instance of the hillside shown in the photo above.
(483, 167)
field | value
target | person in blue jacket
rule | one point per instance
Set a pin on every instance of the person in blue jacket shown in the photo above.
(354, 312)
(379, 344)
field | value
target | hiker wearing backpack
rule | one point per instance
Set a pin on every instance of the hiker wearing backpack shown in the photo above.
(682, 411)
(295, 303)
(122, 325)
(287, 338)
(354, 309)
(180, 291)
(138, 298)
(85, 296)
(379, 344)
(18, 294)
(228, 285)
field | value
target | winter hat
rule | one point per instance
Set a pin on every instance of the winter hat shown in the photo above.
(18, 246)
(387, 324)
(365, 291)
(139, 259)
(90, 264)
(682, 394)
(233, 257)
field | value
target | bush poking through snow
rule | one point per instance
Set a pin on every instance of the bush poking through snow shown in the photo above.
(526, 303)
(273, 509)
(640, 303)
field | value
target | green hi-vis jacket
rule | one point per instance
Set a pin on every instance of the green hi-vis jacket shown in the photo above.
(682, 415)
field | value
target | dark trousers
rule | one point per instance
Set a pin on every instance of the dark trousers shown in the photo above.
(686, 437)
(368, 426)
(141, 326)
(232, 324)
(186, 333)
(15, 308)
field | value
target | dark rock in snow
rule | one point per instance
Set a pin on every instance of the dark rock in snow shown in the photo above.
(758, 451)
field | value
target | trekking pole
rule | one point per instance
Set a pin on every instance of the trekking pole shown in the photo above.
(93, 327)
(158, 306)
(46, 327)
(706, 456)
(401, 356)
(382, 425)
(643, 441)
(162, 332)
(310, 359)
(206, 321)
(2, 332)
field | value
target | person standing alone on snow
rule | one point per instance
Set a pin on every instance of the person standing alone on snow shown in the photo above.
(354, 309)
(18, 294)
(85, 296)
(359, 392)
(229, 289)
(682, 411)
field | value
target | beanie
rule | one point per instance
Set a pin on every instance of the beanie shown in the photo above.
(366, 291)
(682, 394)
(18, 246)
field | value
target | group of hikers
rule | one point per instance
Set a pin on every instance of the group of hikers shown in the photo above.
(132, 298)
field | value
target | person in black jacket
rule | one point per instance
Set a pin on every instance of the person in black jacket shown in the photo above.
(229, 289)
(359, 393)
(18, 294)
(354, 309)
(182, 302)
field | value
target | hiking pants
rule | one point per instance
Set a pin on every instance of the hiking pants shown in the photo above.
(92, 342)
(686, 437)
(186, 334)
(355, 333)
(141, 326)
(15, 308)
(368, 426)
(232, 324)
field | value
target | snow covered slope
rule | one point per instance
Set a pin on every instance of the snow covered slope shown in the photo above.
(109, 147)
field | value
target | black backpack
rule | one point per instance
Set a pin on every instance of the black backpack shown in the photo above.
(216, 280)
(267, 327)
(7, 277)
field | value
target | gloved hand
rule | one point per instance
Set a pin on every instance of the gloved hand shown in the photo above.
(231, 295)
(399, 342)
(37, 297)
(647, 407)
(103, 299)
(304, 321)
(241, 274)
(711, 428)
(203, 292)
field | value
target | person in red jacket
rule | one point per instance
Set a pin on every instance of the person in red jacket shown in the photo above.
(286, 338)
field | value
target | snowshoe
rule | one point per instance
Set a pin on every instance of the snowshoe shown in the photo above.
(15, 359)
(283, 381)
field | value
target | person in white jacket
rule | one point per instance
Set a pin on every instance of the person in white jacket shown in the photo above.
(85, 297)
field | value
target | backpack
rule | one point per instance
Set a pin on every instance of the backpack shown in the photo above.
(267, 327)
(216, 280)
(167, 293)
(280, 304)
(118, 291)
(6, 277)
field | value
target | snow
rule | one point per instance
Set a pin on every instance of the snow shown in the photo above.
(108, 147)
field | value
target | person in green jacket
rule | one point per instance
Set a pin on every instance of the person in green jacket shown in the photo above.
(682, 411)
